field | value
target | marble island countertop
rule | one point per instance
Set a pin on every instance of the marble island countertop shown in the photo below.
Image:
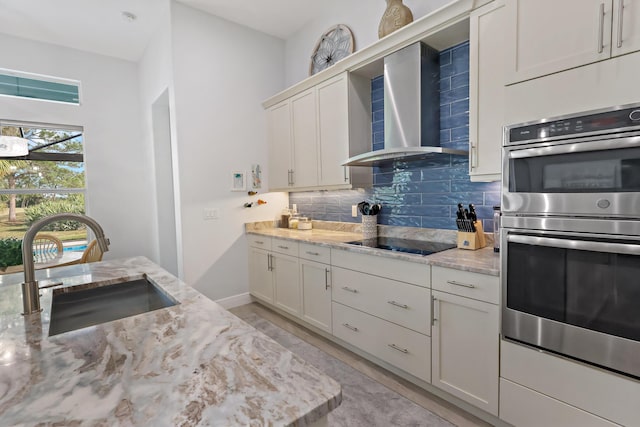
(335, 235)
(190, 364)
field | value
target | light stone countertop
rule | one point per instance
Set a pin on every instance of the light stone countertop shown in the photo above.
(334, 235)
(191, 364)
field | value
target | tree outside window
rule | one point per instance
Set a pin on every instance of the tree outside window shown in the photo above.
(49, 180)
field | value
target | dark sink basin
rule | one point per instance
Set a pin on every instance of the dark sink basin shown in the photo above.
(82, 306)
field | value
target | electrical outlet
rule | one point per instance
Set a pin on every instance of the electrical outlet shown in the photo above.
(354, 211)
(211, 213)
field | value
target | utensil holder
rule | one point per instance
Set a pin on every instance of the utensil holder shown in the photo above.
(369, 226)
(472, 241)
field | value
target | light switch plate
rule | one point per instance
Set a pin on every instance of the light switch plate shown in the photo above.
(211, 213)
(354, 211)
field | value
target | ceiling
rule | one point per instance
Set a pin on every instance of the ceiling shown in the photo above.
(98, 25)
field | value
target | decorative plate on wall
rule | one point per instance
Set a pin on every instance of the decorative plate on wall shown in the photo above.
(336, 43)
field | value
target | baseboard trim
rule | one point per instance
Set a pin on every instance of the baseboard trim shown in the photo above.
(235, 300)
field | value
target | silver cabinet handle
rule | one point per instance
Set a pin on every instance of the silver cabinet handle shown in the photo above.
(348, 326)
(283, 247)
(473, 156)
(346, 177)
(433, 311)
(259, 242)
(395, 347)
(465, 285)
(292, 177)
(601, 29)
(620, 21)
(269, 263)
(348, 289)
(326, 278)
(313, 253)
(397, 304)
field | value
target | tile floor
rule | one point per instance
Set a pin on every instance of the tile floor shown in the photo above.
(372, 396)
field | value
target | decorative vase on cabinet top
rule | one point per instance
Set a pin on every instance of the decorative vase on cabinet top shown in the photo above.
(397, 15)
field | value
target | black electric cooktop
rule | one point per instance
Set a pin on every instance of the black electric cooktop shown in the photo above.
(420, 247)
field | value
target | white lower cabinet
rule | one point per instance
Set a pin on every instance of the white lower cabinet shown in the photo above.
(465, 342)
(260, 277)
(286, 283)
(524, 407)
(315, 278)
(398, 346)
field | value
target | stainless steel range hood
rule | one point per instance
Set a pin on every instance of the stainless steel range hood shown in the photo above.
(411, 108)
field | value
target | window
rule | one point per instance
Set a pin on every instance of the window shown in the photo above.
(49, 180)
(25, 85)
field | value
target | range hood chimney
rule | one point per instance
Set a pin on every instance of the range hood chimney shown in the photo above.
(411, 108)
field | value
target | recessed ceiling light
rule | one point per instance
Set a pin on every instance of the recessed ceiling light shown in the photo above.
(128, 16)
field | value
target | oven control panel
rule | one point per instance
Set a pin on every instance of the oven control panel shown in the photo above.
(624, 119)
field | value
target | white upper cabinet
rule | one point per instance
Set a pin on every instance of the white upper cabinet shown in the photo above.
(486, 91)
(333, 126)
(304, 126)
(626, 25)
(319, 124)
(548, 36)
(280, 147)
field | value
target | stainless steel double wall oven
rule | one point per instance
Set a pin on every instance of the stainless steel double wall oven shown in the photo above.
(570, 242)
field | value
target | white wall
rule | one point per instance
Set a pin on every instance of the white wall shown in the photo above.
(361, 16)
(221, 73)
(117, 159)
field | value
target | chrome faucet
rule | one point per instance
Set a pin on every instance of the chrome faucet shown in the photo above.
(30, 290)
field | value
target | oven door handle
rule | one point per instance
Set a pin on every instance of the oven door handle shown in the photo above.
(581, 147)
(581, 245)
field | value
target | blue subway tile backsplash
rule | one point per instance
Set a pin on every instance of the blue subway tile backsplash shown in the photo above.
(423, 193)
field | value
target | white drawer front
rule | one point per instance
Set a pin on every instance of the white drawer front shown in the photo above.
(260, 242)
(398, 302)
(404, 271)
(401, 347)
(605, 394)
(315, 253)
(478, 286)
(287, 247)
(524, 407)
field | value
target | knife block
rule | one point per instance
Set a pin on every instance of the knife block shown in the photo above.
(472, 241)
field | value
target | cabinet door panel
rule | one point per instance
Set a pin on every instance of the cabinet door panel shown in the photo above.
(626, 27)
(316, 294)
(486, 88)
(547, 36)
(286, 283)
(260, 277)
(279, 134)
(465, 340)
(333, 122)
(305, 133)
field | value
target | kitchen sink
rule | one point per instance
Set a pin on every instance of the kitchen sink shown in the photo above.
(84, 305)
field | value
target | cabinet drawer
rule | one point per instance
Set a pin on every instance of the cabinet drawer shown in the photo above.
(286, 247)
(404, 271)
(315, 253)
(524, 407)
(260, 242)
(478, 286)
(602, 393)
(398, 302)
(401, 347)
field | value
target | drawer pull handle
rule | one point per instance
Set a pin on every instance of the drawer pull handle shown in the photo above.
(326, 278)
(259, 242)
(395, 347)
(355, 291)
(313, 253)
(348, 326)
(464, 285)
(283, 247)
(397, 304)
